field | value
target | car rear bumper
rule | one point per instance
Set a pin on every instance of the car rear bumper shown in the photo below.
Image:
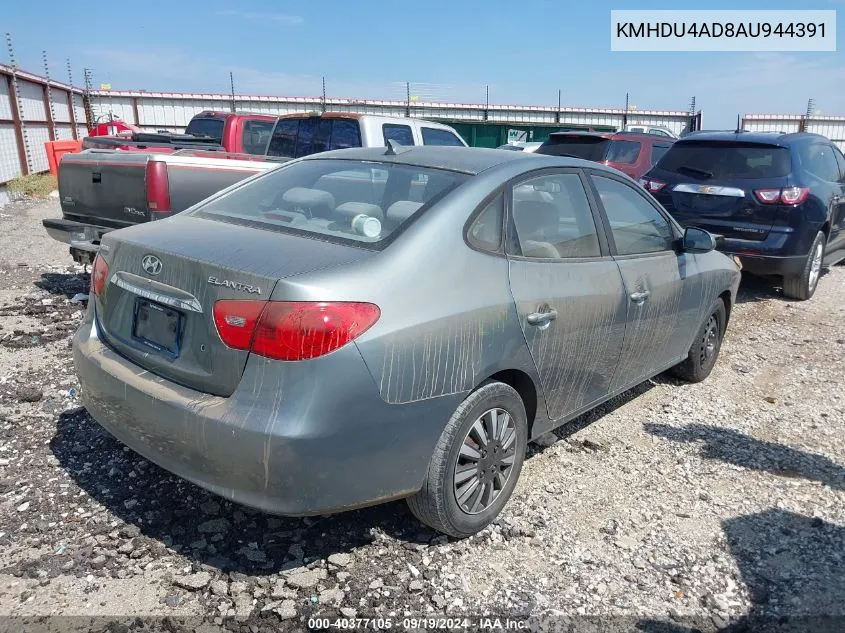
(83, 239)
(772, 256)
(295, 439)
(765, 265)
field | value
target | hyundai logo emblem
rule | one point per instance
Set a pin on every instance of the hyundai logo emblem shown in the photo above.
(151, 264)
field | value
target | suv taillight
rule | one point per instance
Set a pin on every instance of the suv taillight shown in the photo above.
(158, 187)
(99, 275)
(652, 185)
(788, 195)
(794, 195)
(292, 330)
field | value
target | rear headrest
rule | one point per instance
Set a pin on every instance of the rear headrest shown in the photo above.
(528, 192)
(303, 197)
(536, 220)
(351, 209)
(402, 210)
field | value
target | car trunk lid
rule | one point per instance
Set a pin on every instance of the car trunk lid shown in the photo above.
(157, 308)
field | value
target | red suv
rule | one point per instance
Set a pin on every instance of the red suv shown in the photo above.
(632, 153)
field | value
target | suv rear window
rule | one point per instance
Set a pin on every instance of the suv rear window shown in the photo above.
(726, 160)
(356, 202)
(211, 128)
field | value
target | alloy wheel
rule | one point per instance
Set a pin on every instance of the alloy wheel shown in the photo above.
(709, 340)
(485, 461)
(816, 266)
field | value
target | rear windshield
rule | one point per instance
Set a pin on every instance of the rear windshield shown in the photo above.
(726, 160)
(296, 137)
(211, 128)
(357, 202)
(595, 148)
(586, 147)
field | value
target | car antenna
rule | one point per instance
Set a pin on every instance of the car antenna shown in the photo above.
(393, 146)
(738, 124)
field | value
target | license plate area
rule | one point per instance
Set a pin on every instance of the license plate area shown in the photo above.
(157, 326)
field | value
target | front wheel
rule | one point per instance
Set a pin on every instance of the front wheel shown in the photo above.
(476, 463)
(705, 348)
(803, 286)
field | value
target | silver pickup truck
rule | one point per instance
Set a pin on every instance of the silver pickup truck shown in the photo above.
(104, 190)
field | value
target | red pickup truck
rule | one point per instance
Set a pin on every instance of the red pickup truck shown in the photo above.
(209, 131)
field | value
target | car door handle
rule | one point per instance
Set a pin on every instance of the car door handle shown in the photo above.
(538, 318)
(639, 297)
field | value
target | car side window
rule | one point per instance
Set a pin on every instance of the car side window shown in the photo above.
(256, 135)
(657, 152)
(840, 159)
(625, 152)
(552, 218)
(436, 136)
(819, 160)
(637, 227)
(485, 233)
(400, 133)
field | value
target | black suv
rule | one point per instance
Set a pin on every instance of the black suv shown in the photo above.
(777, 199)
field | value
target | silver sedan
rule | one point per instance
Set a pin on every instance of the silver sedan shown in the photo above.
(372, 324)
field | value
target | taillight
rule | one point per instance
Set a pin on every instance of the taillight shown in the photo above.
(236, 320)
(768, 196)
(99, 275)
(292, 330)
(653, 186)
(789, 195)
(794, 195)
(158, 187)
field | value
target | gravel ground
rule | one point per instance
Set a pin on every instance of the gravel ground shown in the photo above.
(673, 508)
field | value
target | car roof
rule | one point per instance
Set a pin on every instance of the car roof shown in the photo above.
(764, 138)
(358, 116)
(468, 160)
(620, 135)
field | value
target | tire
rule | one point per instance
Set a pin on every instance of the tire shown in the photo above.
(437, 503)
(705, 349)
(803, 286)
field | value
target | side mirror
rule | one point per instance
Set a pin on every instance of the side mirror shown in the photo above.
(698, 241)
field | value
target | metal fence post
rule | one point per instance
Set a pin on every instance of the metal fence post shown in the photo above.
(71, 103)
(18, 125)
(15, 104)
(49, 109)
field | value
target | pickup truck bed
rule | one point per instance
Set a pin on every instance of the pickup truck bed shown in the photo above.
(106, 190)
(152, 142)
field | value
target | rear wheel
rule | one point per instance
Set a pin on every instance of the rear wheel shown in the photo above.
(803, 286)
(705, 349)
(476, 463)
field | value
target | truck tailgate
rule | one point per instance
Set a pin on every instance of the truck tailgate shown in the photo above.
(104, 188)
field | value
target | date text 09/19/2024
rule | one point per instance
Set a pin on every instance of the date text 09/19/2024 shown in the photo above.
(432, 624)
